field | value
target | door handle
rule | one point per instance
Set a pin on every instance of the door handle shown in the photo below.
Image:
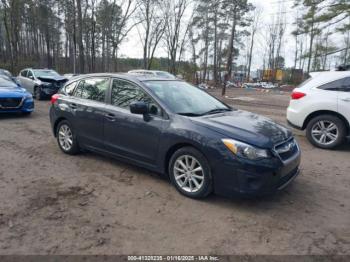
(73, 106)
(346, 99)
(110, 117)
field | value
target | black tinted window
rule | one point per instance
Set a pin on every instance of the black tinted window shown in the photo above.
(346, 84)
(92, 89)
(124, 93)
(24, 73)
(337, 85)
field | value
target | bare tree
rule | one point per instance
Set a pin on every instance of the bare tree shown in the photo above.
(153, 24)
(175, 30)
(254, 27)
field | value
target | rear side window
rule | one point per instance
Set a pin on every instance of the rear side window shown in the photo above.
(24, 73)
(337, 85)
(69, 89)
(93, 89)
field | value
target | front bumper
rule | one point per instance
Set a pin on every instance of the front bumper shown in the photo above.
(248, 179)
(27, 106)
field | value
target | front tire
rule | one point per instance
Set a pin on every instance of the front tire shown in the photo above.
(326, 131)
(38, 93)
(190, 173)
(66, 138)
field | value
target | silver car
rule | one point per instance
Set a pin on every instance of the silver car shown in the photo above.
(41, 82)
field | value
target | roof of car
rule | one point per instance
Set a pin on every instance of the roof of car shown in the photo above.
(127, 76)
(320, 78)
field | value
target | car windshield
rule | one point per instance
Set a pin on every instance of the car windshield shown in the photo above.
(185, 99)
(6, 83)
(45, 73)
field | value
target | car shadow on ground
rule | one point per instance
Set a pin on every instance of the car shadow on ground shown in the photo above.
(4, 116)
(283, 197)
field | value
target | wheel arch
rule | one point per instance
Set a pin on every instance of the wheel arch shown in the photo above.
(326, 112)
(58, 120)
(173, 149)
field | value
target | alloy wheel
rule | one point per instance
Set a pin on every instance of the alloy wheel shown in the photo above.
(325, 132)
(65, 137)
(188, 173)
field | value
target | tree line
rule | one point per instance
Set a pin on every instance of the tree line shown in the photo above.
(203, 39)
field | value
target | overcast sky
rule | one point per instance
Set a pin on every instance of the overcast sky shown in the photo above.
(133, 48)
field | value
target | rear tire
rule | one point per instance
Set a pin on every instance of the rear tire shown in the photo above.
(190, 173)
(66, 138)
(326, 131)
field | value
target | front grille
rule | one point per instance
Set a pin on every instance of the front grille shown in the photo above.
(287, 149)
(6, 103)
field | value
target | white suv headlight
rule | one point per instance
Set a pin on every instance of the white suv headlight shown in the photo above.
(244, 150)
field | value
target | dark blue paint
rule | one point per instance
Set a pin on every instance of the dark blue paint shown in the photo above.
(11, 90)
(148, 140)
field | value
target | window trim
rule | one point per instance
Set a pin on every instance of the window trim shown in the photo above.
(164, 115)
(86, 99)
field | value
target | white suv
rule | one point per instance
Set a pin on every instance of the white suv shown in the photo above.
(321, 105)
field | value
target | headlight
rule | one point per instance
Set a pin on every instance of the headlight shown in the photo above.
(244, 150)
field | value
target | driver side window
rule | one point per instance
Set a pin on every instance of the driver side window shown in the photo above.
(30, 74)
(124, 93)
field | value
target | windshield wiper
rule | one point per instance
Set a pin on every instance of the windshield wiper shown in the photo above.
(189, 114)
(216, 110)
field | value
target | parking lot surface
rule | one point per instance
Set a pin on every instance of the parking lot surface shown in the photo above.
(52, 203)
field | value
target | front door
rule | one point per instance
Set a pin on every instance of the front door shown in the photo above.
(129, 135)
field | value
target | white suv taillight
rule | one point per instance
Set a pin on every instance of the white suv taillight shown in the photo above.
(297, 95)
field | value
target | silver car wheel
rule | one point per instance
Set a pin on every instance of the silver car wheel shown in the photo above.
(188, 173)
(325, 132)
(65, 137)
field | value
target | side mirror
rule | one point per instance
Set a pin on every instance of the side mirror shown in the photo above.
(140, 108)
(31, 77)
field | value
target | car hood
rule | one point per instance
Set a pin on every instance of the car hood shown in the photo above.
(12, 92)
(246, 127)
(52, 78)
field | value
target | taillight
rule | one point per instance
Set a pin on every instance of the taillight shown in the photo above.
(54, 98)
(297, 95)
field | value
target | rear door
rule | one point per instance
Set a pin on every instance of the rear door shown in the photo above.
(30, 81)
(344, 99)
(23, 79)
(129, 135)
(88, 105)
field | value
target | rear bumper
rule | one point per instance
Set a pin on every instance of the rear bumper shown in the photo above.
(249, 180)
(294, 126)
(295, 118)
